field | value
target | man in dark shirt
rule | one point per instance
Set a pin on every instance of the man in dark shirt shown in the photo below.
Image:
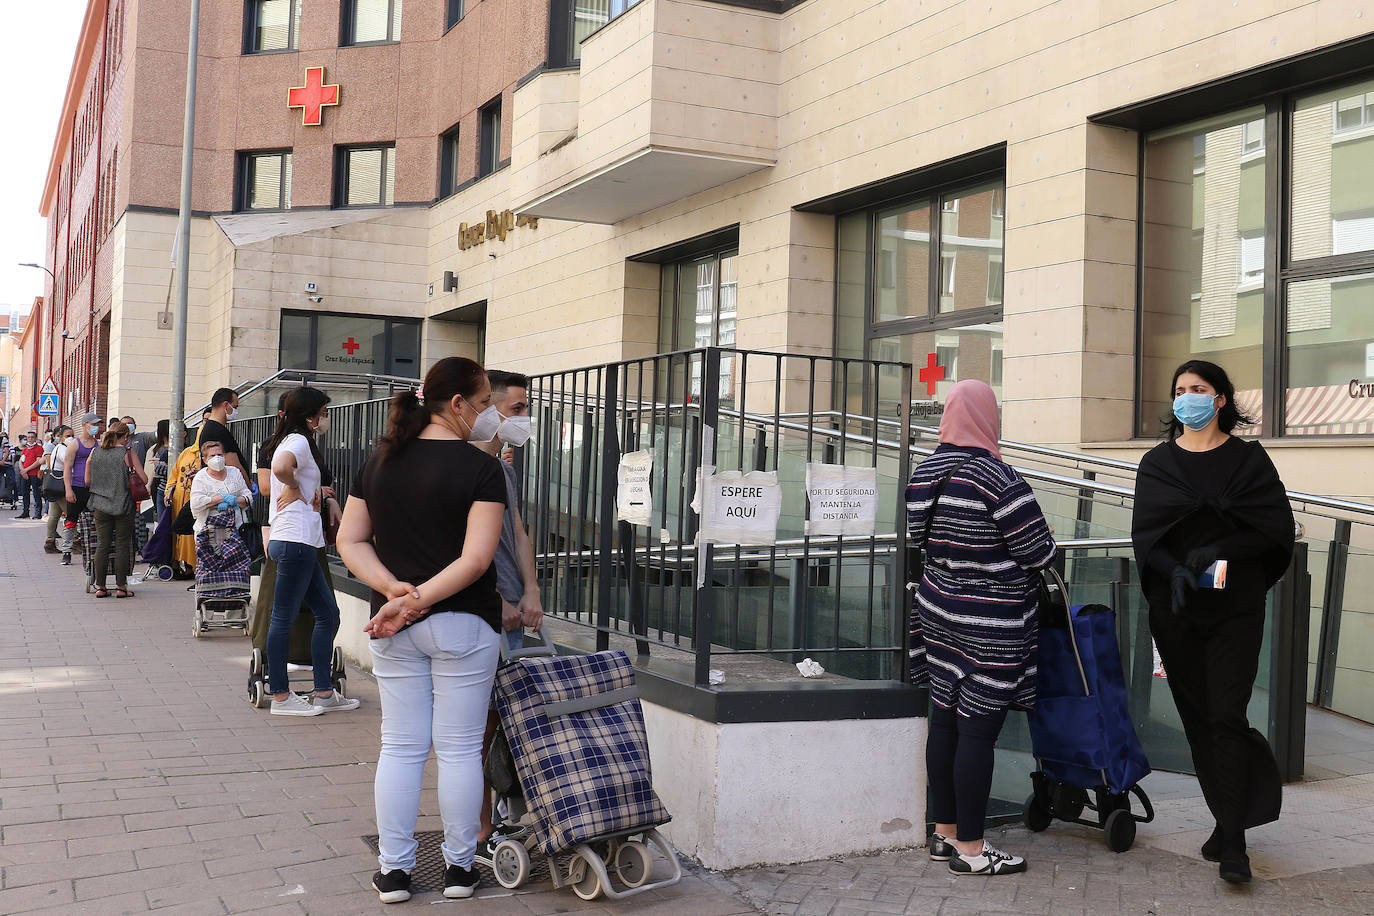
(224, 406)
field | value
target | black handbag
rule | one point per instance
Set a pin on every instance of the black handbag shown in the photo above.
(185, 522)
(54, 486)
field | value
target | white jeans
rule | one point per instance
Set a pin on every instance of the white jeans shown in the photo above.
(435, 681)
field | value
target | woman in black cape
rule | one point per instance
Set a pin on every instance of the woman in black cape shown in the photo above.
(1204, 495)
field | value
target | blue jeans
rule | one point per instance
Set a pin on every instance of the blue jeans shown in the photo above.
(299, 577)
(435, 683)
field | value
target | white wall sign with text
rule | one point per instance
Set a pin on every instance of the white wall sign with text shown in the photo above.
(741, 508)
(844, 500)
(633, 501)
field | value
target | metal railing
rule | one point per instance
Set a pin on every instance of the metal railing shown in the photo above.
(258, 398)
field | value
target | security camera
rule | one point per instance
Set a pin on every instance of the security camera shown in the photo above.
(315, 298)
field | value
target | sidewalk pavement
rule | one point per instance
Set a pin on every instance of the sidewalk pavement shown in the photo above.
(135, 776)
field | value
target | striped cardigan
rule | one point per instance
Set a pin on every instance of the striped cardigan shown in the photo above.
(974, 613)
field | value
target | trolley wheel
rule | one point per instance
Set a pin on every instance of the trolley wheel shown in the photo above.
(259, 695)
(510, 863)
(1119, 831)
(633, 862)
(165, 573)
(337, 662)
(1036, 813)
(341, 687)
(257, 663)
(583, 878)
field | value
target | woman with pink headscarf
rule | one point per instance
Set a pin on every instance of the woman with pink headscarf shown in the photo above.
(973, 618)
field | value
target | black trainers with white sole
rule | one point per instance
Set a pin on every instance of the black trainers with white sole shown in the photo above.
(992, 861)
(392, 886)
(941, 849)
(459, 882)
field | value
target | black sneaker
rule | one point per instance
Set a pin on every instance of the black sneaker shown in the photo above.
(392, 886)
(459, 883)
(67, 559)
(941, 849)
(486, 850)
(991, 861)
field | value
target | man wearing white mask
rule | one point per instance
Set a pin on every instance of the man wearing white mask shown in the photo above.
(507, 422)
(224, 407)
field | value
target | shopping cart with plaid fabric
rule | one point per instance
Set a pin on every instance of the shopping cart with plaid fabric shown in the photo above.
(577, 738)
(222, 575)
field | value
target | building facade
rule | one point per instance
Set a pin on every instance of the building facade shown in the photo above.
(1063, 200)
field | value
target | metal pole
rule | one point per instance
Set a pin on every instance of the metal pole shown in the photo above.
(183, 244)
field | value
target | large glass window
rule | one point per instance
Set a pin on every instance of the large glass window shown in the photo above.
(350, 343)
(366, 176)
(698, 307)
(1204, 254)
(371, 21)
(264, 181)
(921, 281)
(272, 25)
(1305, 331)
(586, 16)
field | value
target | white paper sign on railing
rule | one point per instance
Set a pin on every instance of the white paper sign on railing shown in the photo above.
(844, 500)
(741, 508)
(633, 500)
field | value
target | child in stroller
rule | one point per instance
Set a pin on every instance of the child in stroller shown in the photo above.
(222, 573)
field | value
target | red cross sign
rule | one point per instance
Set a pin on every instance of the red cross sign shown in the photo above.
(351, 346)
(931, 374)
(313, 96)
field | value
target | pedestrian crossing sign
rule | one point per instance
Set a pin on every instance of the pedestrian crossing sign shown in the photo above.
(47, 405)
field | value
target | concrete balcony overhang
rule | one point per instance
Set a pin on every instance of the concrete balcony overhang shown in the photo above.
(643, 181)
(673, 98)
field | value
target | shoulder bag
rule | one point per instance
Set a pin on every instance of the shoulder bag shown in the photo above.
(54, 484)
(916, 556)
(138, 490)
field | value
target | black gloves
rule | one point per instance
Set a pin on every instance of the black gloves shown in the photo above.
(1199, 558)
(1181, 583)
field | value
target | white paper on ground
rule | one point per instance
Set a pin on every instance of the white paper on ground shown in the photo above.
(809, 667)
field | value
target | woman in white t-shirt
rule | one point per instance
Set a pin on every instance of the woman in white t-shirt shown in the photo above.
(297, 534)
(217, 485)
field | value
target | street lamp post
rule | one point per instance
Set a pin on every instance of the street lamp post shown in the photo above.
(183, 243)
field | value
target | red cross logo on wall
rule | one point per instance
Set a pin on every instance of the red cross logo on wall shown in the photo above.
(931, 374)
(351, 346)
(313, 96)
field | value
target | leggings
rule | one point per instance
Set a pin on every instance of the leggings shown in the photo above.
(959, 767)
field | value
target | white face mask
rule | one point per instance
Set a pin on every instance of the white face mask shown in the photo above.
(515, 431)
(215, 462)
(485, 426)
(231, 413)
(69, 440)
(322, 426)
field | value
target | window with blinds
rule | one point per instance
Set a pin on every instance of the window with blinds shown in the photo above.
(272, 25)
(371, 21)
(367, 175)
(264, 180)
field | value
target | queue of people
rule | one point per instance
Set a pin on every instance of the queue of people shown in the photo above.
(452, 581)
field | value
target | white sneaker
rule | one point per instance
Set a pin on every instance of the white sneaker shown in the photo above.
(992, 861)
(334, 702)
(295, 705)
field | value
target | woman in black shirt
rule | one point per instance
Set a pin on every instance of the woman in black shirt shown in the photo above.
(421, 527)
(1203, 496)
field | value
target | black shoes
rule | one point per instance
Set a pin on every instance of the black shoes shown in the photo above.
(392, 886)
(941, 849)
(459, 883)
(1235, 867)
(1211, 850)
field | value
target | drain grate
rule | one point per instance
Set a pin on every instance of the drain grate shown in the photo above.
(429, 864)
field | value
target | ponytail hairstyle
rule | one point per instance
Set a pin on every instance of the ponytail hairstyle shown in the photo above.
(112, 434)
(300, 405)
(450, 376)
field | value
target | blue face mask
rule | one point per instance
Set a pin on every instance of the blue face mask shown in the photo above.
(1195, 410)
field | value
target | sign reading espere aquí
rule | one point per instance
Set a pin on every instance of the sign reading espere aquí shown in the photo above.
(495, 226)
